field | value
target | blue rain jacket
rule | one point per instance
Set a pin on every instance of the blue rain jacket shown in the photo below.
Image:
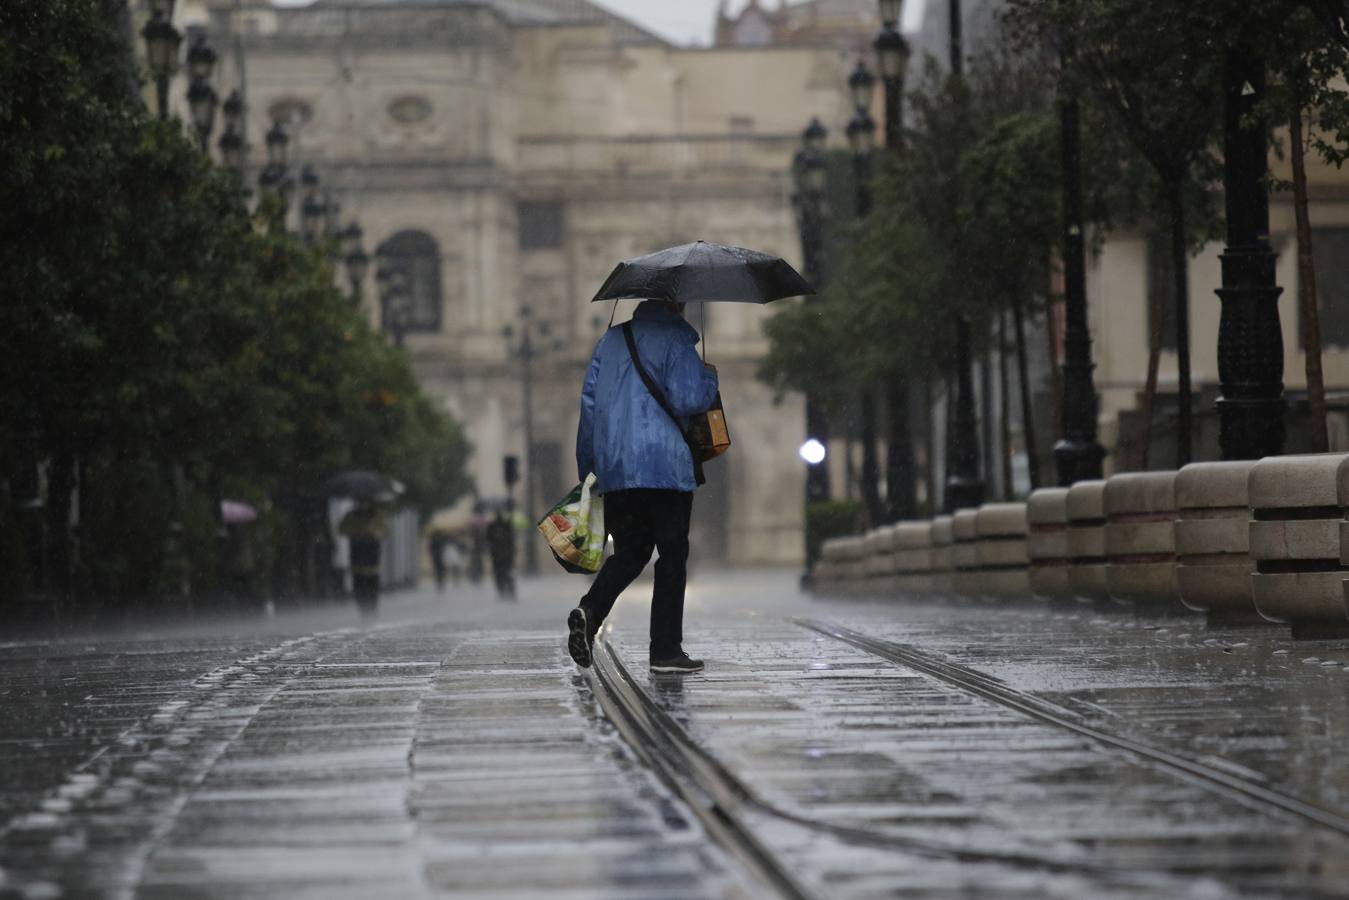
(625, 438)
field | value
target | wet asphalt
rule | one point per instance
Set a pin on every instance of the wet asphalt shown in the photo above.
(450, 748)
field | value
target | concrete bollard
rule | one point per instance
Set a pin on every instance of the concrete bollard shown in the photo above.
(1295, 542)
(1140, 540)
(1086, 543)
(1213, 559)
(1047, 545)
(1000, 551)
(943, 548)
(878, 564)
(964, 556)
(913, 557)
(851, 565)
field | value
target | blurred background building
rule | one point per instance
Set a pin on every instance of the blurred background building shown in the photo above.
(508, 154)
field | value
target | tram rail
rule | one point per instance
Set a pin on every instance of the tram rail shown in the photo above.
(730, 810)
(1221, 781)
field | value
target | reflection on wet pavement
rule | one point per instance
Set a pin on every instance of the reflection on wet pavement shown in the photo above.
(454, 749)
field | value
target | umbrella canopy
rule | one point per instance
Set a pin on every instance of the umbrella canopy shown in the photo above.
(363, 484)
(693, 273)
(236, 512)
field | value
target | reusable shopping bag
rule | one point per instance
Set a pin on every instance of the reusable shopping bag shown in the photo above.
(574, 529)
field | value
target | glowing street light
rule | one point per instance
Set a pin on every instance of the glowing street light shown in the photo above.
(813, 452)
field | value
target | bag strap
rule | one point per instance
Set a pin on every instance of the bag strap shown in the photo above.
(659, 395)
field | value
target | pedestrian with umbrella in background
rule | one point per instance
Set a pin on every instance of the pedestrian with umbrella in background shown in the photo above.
(364, 527)
(643, 432)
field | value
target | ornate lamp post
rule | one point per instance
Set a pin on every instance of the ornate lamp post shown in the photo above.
(861, 132)
(892, 52)
(964, 487)
(232, 141)
(161, 53)
(311, 206)
(201, 97)
(356, 260)
(525, 350)
(809, 174)
(1250, 337)
(1077, 455)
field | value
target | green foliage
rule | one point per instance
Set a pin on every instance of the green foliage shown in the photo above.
(827, 519)
(151, 326)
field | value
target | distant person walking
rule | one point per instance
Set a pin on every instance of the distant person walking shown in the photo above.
(436, 545)
(645, 472)
(364, 527)
(501, 548)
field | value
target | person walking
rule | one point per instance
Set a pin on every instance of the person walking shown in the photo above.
(644, 470)
(501, 548)
(364, 527)
(437, 541)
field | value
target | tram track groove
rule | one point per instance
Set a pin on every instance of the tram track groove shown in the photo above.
(721, 800)
(1220, 780)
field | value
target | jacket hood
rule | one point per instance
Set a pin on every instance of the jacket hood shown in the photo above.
(658, 311)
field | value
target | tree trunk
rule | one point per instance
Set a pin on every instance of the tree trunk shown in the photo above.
(930, 446)
(1023, 378)
(899, 463)
(1144, 435)
(871, 464)
(60, 487)
(1005, 413)
(986, 421)
(1306, 294)
(1180, 271)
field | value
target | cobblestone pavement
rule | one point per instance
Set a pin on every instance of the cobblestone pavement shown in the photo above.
(452, 749)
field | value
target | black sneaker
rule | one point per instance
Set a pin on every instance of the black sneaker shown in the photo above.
(679, 663)
(579, 637)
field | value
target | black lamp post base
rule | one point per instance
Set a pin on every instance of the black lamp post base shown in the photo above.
(1250, 355)
(1251, 428)
(963, 493)
(1077, 460)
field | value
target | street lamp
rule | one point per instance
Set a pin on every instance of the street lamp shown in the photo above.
(277, 143)
(861, 85)
(311, 207)
(892, 53)
(161, 53)
(356, 260)
(1077, 454)
(232, 141)
(201, 59)
(525, 350)
(201, 97)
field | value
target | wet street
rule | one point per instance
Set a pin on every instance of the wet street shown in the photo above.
(832, 749)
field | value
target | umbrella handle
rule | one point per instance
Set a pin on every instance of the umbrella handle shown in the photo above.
(702, 325)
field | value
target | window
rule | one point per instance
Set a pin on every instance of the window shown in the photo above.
(1161, 286)
(291, 112)
(416, 254)
(410, 110)
(540, 224)
(1330, 259)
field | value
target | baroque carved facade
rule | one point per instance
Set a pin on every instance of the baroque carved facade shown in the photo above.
(515, 151)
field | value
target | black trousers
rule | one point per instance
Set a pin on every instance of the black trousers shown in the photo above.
(640, 520)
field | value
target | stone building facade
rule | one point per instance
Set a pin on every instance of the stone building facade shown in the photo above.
(510, 152)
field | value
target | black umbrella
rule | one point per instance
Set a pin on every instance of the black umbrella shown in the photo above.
(691, 273)
(363, 484)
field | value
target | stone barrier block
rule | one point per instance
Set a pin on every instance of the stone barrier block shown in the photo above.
(1140, 539)
(877, 550)
(1213, 557)
(1296, 513)
(964, 555)
(1000, 551)
(1085, 506)
(913, 557)
(1047, 544)
(943, 547)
